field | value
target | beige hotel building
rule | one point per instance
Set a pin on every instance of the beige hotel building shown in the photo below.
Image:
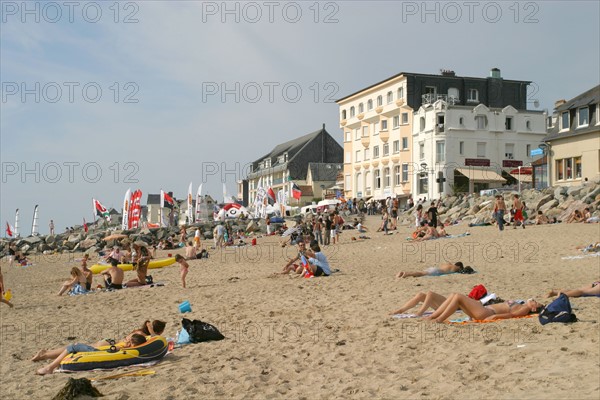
(377, 128)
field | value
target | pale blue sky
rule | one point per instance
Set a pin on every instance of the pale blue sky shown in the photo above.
(175, 50)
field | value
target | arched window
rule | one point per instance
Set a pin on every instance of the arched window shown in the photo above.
(400, 93)
(352, 111)
(361, 108)
(379, 101)
(390, 97)
(359, 184)
(377, 179)
(343, 114)
(369, 105)
(368, 183)
(422, 124)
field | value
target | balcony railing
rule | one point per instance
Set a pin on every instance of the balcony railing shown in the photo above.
(430, 98)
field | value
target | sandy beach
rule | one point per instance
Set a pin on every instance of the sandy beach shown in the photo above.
(327, 337)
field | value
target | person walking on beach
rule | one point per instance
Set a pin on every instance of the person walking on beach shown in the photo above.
(499, 210)
(197, 238)
(328, 226)
(432, 214)
(518, 207)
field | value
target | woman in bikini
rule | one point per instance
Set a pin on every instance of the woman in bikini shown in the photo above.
(429, 300)
(76, 284)
(476, 310)
(587, 290)
(141, 258)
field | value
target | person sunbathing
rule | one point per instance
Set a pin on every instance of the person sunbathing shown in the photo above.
(443, 269)
(592, 289)
(476, 310)
(430, 300)
(154, 328)
(541, 219)
(430, 233)
(113, 277)
(576, 216)
(131, 341)
(76, 284)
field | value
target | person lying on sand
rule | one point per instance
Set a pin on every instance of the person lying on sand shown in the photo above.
(429, 300)
(443, 269)
(113, 277)
(148, 328)
(592, 289)
(131, 341)
(476, 310)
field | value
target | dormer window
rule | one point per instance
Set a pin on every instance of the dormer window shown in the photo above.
(267, 163)
(473, 96)
(564, 120)
(583, 117)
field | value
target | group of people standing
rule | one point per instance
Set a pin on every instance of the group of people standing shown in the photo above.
(518, 211)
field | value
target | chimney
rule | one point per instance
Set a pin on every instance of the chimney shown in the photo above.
(447, 72)
(559, 103)
(495, 73)
(323, 125)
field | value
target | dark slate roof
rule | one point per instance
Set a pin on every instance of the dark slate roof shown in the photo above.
(291, 147)
(324, 171)
(587, 98)
(424, 75)
(592, 96)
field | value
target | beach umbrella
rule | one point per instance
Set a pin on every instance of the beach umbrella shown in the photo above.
(114, 236)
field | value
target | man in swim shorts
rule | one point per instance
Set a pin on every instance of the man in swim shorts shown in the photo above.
(113, 277)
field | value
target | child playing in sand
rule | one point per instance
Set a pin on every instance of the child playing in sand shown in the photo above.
(443, 269)
(2, 299)
(184, 268)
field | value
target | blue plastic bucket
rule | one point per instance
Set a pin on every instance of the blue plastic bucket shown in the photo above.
(185, 307)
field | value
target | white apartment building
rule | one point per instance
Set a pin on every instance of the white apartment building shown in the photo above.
(471, 147)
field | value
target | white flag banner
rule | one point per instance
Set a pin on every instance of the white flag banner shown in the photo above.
(190, 205)
(126, 206)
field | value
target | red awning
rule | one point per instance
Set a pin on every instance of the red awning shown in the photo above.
(524, 171)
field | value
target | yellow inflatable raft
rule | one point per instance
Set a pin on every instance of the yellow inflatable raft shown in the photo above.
(165, 262)
(154, 349)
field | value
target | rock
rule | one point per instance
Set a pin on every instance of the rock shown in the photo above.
(541, 201)
(32, 240)
(549, 205)
(50, 239)
(25, 248)
(91, 250)
(74, 238)
(87, 243)
(559, 191)
(592, 196)
(208, 234)
(575, 205)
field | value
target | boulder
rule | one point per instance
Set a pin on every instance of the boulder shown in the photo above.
(32, 240)
(50, 239)
(208, 234)
(25, 248)
(549, 205)
(91, 250)
(74, 238)
(541, 201)
(87, 243)
(559, 191)
(591, 196)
